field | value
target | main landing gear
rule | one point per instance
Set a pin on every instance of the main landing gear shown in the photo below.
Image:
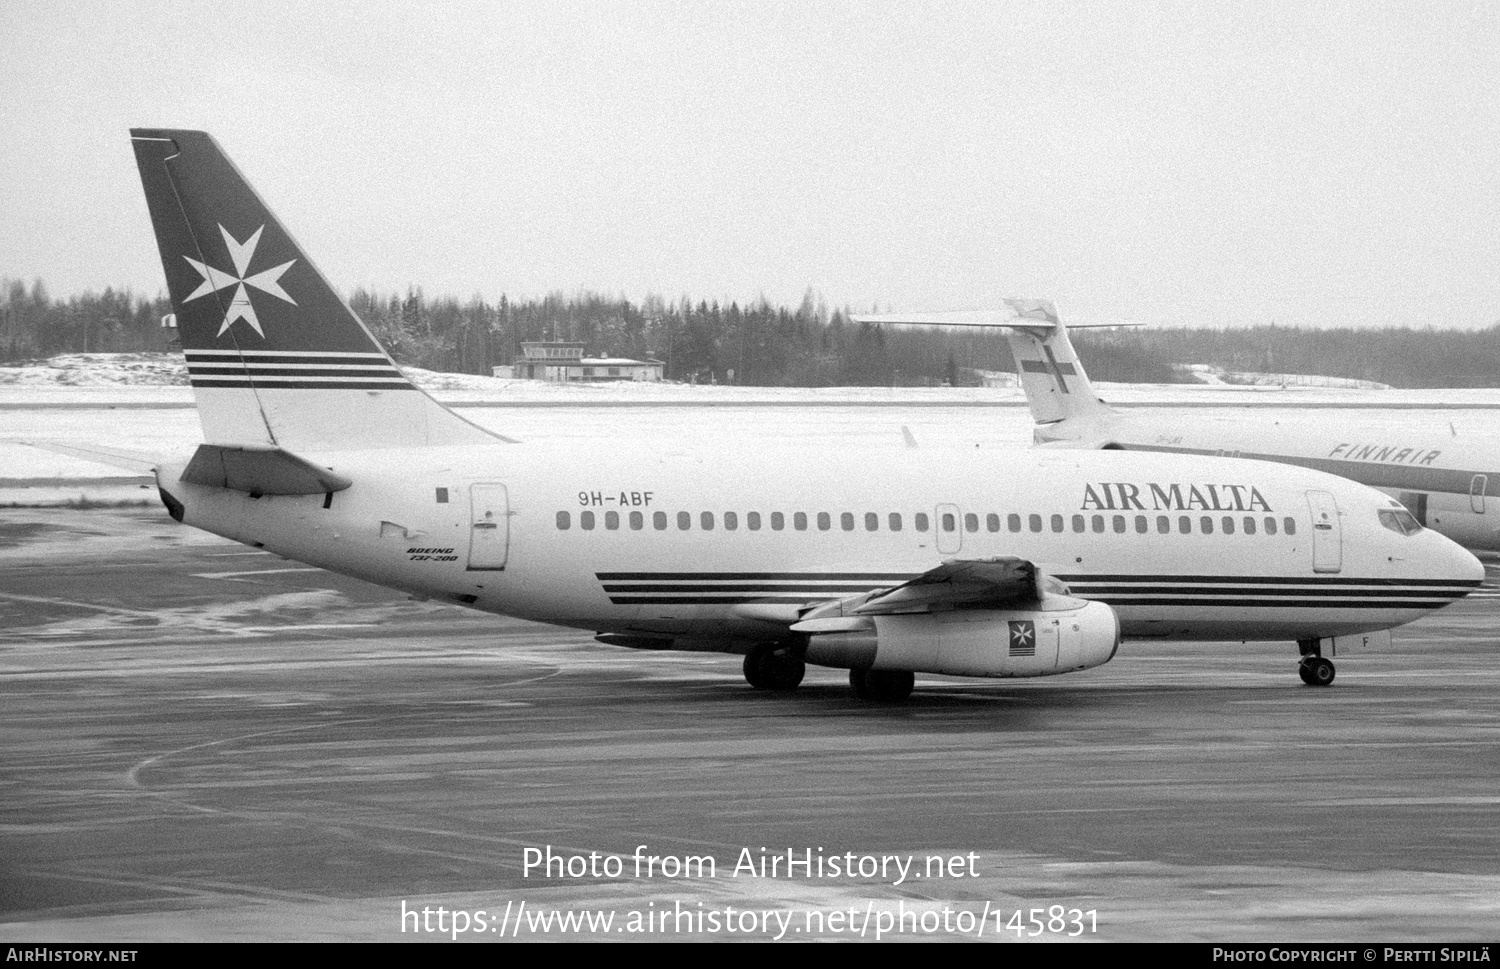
(882, 686)
(769, 667)
(773, 667)
(1314, 669)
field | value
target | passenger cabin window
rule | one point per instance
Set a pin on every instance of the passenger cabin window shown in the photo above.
(1057, 523)
(872, 522)
(846, 521)
(586, 519)
(1289, 525)
(895, 521)
(564, 521)
(824, 522)
(752, 521)
(778, 521)
(1249, 525)
(1185, 525)
(731, 521)
(1163, 525)
(1013, 522)
(1208, 525)
(659, 520)
(799, 521)
(1078, 524)
(971, 522)
(1098, 524)
(921, 520)
(612, 520)
(637, 521)
(992, 522)
(1228, 525)
(1141, 524)
(707, 520)
(684, 521)
(1270, 525)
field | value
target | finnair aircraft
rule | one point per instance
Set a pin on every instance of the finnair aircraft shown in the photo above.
(1436, 474)
(886, 563)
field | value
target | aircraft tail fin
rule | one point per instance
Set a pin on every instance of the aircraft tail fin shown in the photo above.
(275, 357)
(1062, 401)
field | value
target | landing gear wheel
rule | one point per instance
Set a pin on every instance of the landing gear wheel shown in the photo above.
(882, 686)
(770, 668)
(1316, 671)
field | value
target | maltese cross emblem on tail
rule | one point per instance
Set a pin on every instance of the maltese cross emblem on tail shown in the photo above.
(240, 307)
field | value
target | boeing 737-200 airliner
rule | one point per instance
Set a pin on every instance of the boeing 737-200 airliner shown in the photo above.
(885, 563)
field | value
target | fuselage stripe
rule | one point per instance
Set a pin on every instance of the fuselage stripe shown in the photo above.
(1394, 602)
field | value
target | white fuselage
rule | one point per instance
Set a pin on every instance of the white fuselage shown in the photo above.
(734, 546)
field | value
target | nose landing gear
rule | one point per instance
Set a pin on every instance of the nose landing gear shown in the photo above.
(1314, 669)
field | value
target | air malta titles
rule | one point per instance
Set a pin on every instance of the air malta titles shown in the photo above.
(1124, 496)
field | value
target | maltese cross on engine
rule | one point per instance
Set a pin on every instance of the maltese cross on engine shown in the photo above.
(1022, 637)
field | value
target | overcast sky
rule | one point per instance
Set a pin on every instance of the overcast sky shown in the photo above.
(1198, 163)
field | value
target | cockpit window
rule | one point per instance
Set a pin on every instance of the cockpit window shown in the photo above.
(1400, 521)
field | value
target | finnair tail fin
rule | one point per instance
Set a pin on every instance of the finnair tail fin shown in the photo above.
(1062, 401)
(275, 357)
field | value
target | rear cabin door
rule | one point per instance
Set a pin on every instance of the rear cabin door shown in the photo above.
(489, 527)
(1477, 487)
(1327, 536)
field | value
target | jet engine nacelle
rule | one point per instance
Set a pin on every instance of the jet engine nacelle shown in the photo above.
(971, 642)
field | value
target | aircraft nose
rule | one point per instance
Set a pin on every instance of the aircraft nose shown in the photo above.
(1454, 565)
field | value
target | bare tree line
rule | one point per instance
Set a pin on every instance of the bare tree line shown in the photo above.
(765, 345)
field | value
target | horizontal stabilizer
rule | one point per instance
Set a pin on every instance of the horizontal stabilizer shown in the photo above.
(112, 456)
(1018, 314)
(260, 470)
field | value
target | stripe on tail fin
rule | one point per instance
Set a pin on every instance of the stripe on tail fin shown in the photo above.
(274, 355)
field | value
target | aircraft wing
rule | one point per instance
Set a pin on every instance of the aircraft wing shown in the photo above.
(985, 583)
(967, 582)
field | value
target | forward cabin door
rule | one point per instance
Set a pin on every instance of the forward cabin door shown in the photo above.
(489, 527)
(1327, 536)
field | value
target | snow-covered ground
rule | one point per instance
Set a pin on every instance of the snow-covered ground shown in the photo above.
(130, 401)
(136, 379)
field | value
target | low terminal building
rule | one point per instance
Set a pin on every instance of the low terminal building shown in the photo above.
(565, 363)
